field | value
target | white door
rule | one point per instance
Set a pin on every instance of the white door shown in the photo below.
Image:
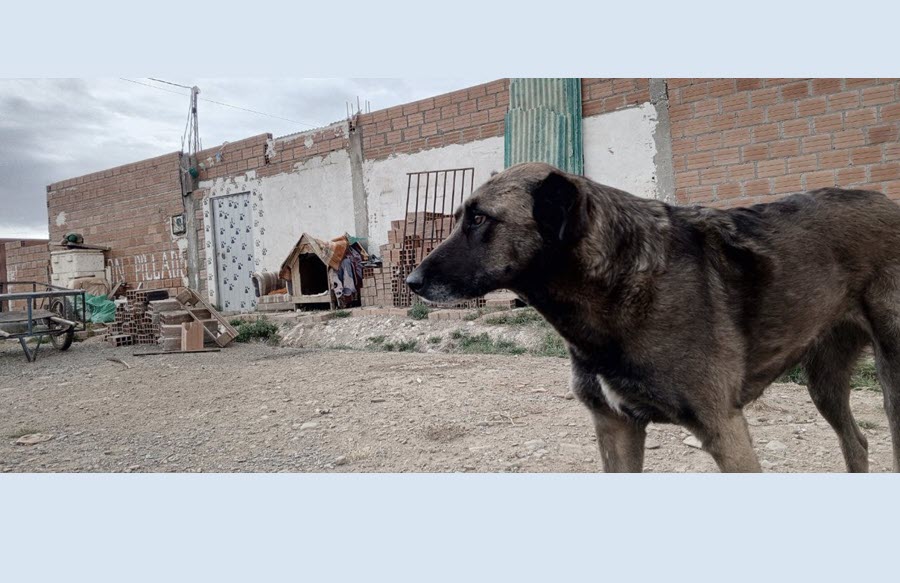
(233, 230)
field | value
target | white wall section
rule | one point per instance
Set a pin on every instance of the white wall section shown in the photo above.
(386, 180)
(619, 150)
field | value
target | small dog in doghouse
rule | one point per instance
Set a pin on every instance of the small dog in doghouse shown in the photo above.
(685, 315)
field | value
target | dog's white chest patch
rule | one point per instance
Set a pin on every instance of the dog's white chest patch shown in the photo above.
(613, 398)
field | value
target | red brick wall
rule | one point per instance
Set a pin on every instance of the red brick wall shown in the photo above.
(237, 158)
(600, 96)
(459, 117)
(128, 209)
(475, 113)
(25, 261)
(739, 141)
(233, 158)
(289, 150)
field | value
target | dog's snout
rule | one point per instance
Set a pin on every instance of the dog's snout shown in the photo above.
(415, 281)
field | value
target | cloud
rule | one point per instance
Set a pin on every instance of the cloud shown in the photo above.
(53, 129)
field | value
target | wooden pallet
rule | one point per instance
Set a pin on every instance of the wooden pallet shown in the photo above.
(191, 299)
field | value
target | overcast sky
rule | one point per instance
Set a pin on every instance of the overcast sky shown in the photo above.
(53, 129)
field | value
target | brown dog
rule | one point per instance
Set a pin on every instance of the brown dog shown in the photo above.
(686, 314)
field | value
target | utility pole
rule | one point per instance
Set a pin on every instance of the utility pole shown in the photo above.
(189, 174)
(194, 145)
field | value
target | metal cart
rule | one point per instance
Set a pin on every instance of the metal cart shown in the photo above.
(50, 312)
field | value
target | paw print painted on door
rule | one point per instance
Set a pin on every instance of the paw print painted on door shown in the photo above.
(234, 232)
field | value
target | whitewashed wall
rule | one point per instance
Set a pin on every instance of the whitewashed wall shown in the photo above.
(619, 148)
(316, 197)
(386, 180)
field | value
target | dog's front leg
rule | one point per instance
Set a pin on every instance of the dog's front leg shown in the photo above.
(621, 441)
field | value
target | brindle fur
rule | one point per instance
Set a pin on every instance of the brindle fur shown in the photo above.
(688, 313)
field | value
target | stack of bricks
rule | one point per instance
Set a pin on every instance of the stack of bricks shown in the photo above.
(376, 287)
(131, 326)
(135, 321)
(409, 243)
(120, 331)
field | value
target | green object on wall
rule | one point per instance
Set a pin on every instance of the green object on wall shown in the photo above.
(543, 123)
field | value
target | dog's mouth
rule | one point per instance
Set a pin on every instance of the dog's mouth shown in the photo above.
(441, 290)
(436, 292)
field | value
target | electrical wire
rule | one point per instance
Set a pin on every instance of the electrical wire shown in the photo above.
(217, 102)
(169, 83)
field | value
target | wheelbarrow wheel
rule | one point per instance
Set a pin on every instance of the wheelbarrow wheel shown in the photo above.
(61, 336)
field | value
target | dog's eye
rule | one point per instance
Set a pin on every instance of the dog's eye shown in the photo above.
(478, 220)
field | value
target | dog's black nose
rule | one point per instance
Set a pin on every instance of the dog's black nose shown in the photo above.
(415, 280)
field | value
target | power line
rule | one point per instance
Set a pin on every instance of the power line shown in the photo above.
(218, 102)
(152, 86)
(261, 113)
(169, 83)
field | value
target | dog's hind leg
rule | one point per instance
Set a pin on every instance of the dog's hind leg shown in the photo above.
(729, 442)
(883, 313)
(829, 364)
(621, 441)
(887, 366)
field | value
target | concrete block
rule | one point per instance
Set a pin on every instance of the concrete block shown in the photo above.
(160, 306)
(175, 317)
(170, 344)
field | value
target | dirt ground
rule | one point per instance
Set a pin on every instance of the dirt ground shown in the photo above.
(260, 408)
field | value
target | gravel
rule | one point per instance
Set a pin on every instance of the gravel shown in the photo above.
(259, 408)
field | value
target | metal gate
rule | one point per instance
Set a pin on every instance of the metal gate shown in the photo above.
(233, 228)
(431, 199)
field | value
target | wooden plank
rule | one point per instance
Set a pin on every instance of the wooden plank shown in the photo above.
(115, 290)
(192, 336)
(189, 297)
(22, 316)
(80, 246)
(155, 352)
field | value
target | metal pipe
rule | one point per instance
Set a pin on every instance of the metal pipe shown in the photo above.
(433, 211)
(406, 208)
(424, 214)
(443, 204)
(453, 202)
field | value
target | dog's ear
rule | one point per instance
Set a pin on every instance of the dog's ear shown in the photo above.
(555, 207)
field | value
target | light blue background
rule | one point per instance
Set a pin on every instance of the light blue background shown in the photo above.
(656, 38)
(447, 527)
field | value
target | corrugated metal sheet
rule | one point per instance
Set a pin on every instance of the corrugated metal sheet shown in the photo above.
(543, 123)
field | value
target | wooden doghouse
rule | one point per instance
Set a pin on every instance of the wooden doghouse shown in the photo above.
(306, 270)
(313, 269)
